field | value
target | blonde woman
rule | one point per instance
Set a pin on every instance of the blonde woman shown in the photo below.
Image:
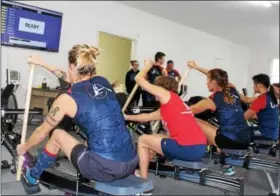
(110, 153)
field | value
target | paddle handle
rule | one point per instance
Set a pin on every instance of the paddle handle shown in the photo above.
(130, 97)
(25, 119)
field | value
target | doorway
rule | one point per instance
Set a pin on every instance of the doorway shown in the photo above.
(115, 57)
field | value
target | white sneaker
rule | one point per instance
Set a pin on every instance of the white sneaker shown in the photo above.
(137, 173)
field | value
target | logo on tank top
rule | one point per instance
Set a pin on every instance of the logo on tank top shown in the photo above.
(155, 72)
(273, 105)
(100, 92)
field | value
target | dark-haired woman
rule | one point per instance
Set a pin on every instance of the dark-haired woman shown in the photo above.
(233, 132)
(265, 106)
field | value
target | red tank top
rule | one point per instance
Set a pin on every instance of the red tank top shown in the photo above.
(180, 122)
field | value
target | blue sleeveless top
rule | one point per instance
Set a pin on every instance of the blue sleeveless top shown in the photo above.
(99, 115)
(231, 117)
(152, 74)
(268, 121)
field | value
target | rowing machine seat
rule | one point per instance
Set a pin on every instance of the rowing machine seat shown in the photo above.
(235, 152)
(130, 185)
(191, 164)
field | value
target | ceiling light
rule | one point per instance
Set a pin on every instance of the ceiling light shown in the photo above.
(262, 3)
(274, 2)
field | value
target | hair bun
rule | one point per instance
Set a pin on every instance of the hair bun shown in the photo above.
(94, 51)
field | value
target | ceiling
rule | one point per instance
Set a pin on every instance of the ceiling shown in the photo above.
(237, 21)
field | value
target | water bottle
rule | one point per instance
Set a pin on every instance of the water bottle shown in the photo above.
(44, 83)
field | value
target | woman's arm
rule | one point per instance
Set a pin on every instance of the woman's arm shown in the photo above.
(193, 65)
(63, 105)
(247, 100)
(203, 105)
(164, 72)
(57, 72)
(162, 94)
(153, 116)
(249, 114)
(258, 104)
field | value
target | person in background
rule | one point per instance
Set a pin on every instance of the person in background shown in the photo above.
(171, 71)
(130, 82)
(265, 106)
(156, 70)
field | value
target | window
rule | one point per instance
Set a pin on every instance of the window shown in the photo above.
(275, 71)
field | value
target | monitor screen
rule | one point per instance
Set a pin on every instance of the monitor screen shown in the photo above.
(29, 26)
(14, 75)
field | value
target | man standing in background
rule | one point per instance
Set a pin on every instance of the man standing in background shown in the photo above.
(157, 70)
(130, 82)
(171, 71)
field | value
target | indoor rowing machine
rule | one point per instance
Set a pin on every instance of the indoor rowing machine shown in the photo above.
(269, 147)
(5, 112)
(130, 185)
(56, 179)
(197, 172)
(243, 158)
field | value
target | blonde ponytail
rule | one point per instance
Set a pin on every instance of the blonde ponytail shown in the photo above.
(228, 98)
(221, 78)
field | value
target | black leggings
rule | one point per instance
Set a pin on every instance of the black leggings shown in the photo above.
(227, 143)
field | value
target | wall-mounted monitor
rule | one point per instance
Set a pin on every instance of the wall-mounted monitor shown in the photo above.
(29, 26)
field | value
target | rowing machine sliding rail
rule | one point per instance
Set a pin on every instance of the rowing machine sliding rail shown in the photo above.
(204, 177)
(249, 162)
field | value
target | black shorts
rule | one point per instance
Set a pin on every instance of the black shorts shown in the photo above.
(94, 167)
(227, 143)
(66, 124)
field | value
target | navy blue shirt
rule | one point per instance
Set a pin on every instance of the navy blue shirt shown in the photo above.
(130, 80)
(231, 117)
(267, 112)
(152, 74)
(99, 115)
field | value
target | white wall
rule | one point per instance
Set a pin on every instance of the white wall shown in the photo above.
(261, 62)
(83, 20)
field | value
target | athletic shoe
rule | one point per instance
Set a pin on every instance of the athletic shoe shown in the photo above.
(137, 173)
(30, 184)
(229, 171)
(30, 180)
